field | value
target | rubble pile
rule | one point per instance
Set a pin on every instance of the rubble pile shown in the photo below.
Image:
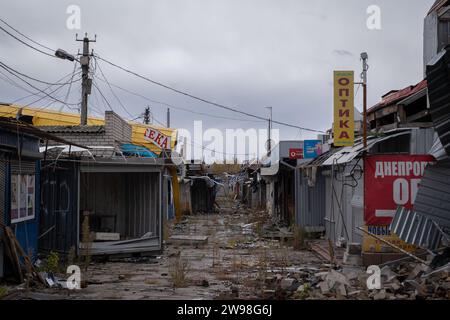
(406, 281)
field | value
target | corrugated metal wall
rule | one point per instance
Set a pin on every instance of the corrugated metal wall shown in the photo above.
(185, 197)
(344, 201)
(2, 207)
(285, 196)
(416, 229)
(2, 189)
(310, 201)
(124, 202)
(202, 197)
(421, 141)
(438, 76)
(433, 196)
(59, 214)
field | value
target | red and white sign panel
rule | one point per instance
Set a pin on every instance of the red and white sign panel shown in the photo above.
(391, 181)
(296, 153)
(158, 138)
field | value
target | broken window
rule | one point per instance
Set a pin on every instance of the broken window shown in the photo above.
(22, 197)
(444, 29)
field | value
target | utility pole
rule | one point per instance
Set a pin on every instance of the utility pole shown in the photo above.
(269, 135)
(86, 81)
(364, 58)
(168, 117)
(147, 115)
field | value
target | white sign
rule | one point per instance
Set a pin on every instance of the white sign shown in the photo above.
(158, 138)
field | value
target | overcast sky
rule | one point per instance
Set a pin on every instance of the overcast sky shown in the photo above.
(243, 53)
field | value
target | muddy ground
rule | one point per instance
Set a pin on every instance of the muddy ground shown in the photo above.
(244, 257)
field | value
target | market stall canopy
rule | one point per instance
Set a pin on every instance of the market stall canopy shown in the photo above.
(47, 117)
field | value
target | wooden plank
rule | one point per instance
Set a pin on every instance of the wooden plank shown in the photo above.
(188, 239)
(418, 115)
(106, 236)
(14, 255)
(28, 264)
(385, 111)
(322, 252)
(417, 125)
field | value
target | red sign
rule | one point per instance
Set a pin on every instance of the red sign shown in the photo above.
(158, 138)
(391, 181)
(295, 153)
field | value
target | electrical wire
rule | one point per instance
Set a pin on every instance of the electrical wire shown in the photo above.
(70, 84)
(202, 99)
(32, 78)
(36, 88)
(152, 81)
(27, 44)
(112, 91)
(38, 94)
(223, 153)
(101, 93)
(48, 87)
(28, 38)
(15, 84)
(180, 108)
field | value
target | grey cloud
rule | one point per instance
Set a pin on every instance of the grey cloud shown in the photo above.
(343, 53)
(247, 54)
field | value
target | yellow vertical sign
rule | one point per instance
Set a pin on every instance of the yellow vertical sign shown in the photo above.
(344, 109)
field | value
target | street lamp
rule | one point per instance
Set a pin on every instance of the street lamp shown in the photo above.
(60, 53)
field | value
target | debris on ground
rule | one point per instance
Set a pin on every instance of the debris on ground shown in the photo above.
(244, 254)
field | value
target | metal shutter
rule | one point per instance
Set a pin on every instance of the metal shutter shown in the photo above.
(25, 167)
(2, 191)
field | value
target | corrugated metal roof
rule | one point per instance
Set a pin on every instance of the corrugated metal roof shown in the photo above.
(396, 96)
(433, 196)
(438, 5)
(437, 150)
(347, 154)
(319, 160)
(416, 229)
(73, 129)
(438, 75)
(49, 117)
(22, 127)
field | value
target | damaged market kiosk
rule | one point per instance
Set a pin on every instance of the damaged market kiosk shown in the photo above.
(362, 188)
(20, 196)
(101, 200)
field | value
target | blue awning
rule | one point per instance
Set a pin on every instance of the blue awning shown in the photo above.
(129, 149)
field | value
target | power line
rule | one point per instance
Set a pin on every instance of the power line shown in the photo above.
(159, 122)
(32, 78)
(48, 87)
(202, 99)
(27, 44)
(15, 84)
(155, 82)
(42, 98)
(101, 93)
(180, 108)
(51, 101)
(70, 85)
(32, 94)
(28, 38)
(36, 88)
(112, 91)
(152, 81)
